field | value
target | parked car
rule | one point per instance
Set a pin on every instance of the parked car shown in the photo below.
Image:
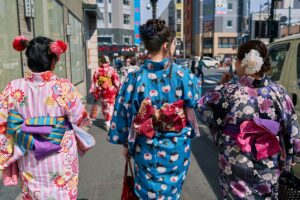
(285, 69)
(210, 62)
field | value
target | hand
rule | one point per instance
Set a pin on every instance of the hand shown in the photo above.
(125, 153)
(225, 78)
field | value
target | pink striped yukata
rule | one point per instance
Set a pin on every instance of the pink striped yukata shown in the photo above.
(39, 95)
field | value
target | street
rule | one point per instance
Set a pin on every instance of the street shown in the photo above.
(101, 170)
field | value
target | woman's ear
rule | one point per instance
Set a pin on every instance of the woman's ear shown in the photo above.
(165, 46)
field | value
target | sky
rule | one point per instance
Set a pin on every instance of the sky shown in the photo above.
(162, 4)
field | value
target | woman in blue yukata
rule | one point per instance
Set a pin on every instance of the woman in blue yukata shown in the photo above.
(154, 117)
(256, 127)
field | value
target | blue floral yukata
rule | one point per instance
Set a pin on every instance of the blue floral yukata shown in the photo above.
(250, 163)
(161, 162)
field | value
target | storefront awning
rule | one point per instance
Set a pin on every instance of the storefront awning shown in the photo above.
(92, 10)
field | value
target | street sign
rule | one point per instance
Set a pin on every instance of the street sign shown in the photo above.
(29, 8)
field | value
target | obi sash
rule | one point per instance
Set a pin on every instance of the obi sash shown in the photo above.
(42, 135)
(169, 118)
(257, 136)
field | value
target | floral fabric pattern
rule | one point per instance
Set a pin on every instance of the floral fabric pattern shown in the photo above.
(37, 95)
(226, 107)
(161, 163)
(105, 86)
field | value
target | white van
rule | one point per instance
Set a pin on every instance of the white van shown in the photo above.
(285, 63)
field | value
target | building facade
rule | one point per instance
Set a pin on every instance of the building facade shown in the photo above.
(219, 26)
(116, 29)
(57, 19)
(179, 27)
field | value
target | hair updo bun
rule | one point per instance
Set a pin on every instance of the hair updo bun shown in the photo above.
(155, 33)
(261, 48)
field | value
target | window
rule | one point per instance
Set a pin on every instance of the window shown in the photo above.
(76, 52)
(126, 2)
(10, 60)
(126, 19)
(298, 66)
(49, 23)
(178, 28)
(109, 18)
(99, 1)
(127, 40)
(260, 30)
(229, 23)
(230, 6)
(109, 1)
(277, 54)
(227, 42)
(208, 43)
(105, 40)
(178, 1)
(178, 15)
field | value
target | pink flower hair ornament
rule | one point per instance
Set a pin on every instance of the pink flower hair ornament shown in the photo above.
(20, 43)
(58, 47)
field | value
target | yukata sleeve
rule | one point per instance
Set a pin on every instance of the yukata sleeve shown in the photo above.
(191, 89)
(76, 110)
(191, 94)
(291, 134)
(6, 141)
(116, 80)
(94, 90)
(124, 111)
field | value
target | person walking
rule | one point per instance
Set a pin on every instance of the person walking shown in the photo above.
(154, 116)
(193, 69)
(36, 135)
(105, 87)
(128, 69)
(256, 127)
(201, 64)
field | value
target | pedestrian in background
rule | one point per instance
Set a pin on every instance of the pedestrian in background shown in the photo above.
(131, 67)
(201, 64)
(154, 116)
(36, 136)
(256, 124)
(193, 68)
(105, 87)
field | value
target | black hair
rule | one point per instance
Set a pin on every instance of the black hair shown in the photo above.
(39, 57)
(155, 33)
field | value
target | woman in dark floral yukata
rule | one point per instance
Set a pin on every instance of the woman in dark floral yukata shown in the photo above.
(255, 127)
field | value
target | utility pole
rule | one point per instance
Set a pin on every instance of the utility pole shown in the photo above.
(153, 5)
(289, 20)
(272, 25)
(259, 34)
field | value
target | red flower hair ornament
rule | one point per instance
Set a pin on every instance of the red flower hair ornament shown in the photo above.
(58, 47)
(20, 43)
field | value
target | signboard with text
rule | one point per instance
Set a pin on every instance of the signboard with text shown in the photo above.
(221, 7)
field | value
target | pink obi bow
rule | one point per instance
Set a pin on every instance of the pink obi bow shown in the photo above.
(170, 117)
(259, 137)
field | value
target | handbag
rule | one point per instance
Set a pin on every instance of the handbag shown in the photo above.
(289, 186)
(128, 184)
(94, 111)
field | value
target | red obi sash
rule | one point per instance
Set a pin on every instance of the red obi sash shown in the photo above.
(257, 136)
(169, 118)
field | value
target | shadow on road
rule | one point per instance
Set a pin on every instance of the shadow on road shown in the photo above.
(205, 152)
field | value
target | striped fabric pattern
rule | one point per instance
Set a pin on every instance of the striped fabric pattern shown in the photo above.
(26, 140)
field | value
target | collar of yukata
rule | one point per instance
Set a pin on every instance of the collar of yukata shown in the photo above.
(39, 77)
(255, 83)
(151, 65)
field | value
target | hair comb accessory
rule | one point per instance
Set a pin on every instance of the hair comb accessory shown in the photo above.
(253, 62)
(147, 31)
(58, 47)
(20, 43)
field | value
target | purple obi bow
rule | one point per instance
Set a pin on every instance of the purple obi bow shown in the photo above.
(257, 136)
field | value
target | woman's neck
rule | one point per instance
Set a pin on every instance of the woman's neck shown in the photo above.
(157, 57)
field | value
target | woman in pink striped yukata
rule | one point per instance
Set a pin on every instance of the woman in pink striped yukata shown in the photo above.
(36, 135)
